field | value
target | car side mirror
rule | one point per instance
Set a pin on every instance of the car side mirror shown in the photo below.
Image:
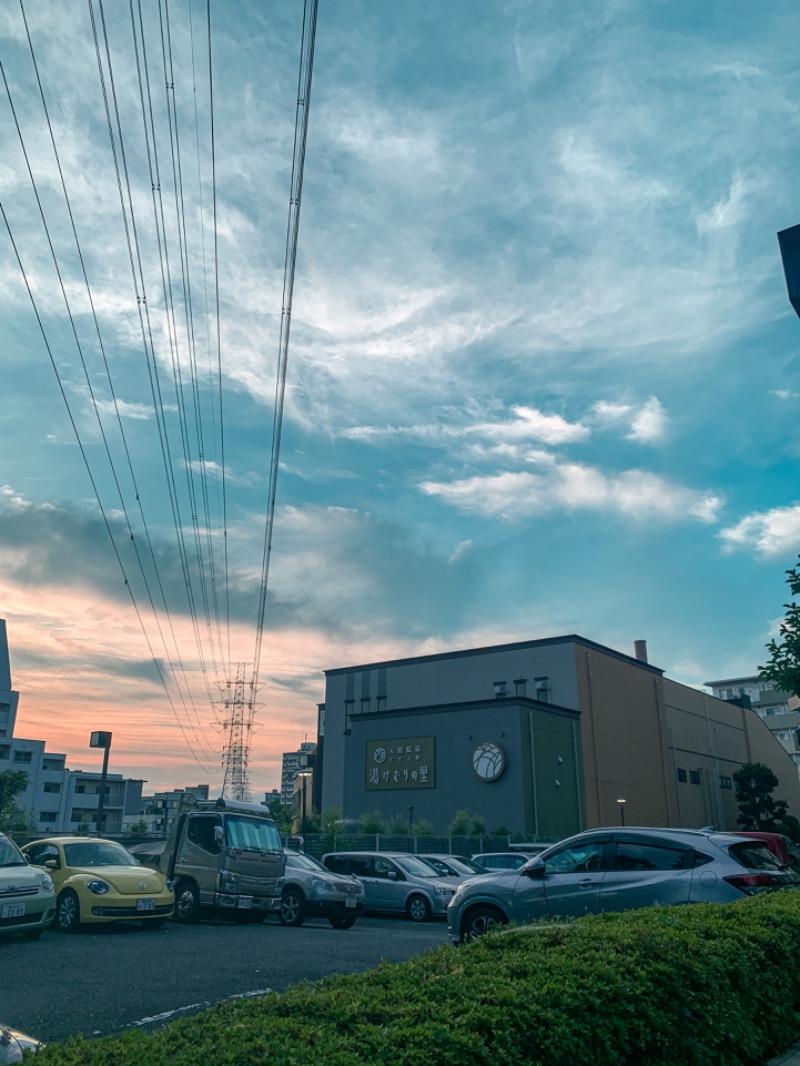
(392, 875)
(535, 867)
(51, 864)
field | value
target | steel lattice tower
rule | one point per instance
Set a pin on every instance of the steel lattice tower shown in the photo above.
(237, 722)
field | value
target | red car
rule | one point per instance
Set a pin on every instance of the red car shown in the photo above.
(782, 847)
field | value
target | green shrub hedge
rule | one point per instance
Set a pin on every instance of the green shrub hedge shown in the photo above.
(709, 984)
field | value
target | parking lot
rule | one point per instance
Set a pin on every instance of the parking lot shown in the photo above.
(119, 976)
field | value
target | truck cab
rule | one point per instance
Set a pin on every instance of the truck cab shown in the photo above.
(224, 856)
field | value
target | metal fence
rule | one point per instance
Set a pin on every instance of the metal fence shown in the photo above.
(318, 844)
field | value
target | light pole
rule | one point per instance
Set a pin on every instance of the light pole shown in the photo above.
(411, 817)
(101, 740)
(622, 801)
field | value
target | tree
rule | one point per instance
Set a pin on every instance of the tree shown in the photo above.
(758, 810)
(783, 666)
(281, 814)
(331, 820)
(371, 822)
(467, 824)
(12, 818)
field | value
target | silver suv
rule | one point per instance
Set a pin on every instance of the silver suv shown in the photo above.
(27, 898)
(396, 883)
(616, 870)
(311, 891)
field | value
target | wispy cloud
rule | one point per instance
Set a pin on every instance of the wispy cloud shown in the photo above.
(571, 487)
(766, 533)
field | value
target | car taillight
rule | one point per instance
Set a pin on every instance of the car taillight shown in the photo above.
(753, 883)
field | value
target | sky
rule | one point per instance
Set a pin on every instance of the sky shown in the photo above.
(542, 375)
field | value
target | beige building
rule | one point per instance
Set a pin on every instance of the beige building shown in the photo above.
(577, 735)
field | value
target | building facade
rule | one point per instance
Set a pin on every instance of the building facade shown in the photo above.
(780, 710)
(542, 738)
(294, 761)
(56, 798)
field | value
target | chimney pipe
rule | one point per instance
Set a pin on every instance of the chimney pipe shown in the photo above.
(640, 650)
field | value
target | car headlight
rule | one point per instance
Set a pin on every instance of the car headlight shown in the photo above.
(443, 890)
(98, 887)
(46, 882)
(228, 882)
(320, 885)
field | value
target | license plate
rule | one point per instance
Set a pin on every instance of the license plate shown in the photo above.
(13, 910)
(350, 902)
(245, 902)
(145, 904)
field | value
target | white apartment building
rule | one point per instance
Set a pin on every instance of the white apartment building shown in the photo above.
(292, 762)
(58, 799)
(779, 710)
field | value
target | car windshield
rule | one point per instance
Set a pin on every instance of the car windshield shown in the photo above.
(251, 834)
(97, 853)
(755, 856)
(10, 855)
(412, 865)
(297, 861)
(470, 866)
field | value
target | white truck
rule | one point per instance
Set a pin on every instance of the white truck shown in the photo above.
(224, 856)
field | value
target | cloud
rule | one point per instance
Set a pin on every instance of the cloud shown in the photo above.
(531, 424)
(647, 423)
(727, 212)
(571, 487)
(767, 534)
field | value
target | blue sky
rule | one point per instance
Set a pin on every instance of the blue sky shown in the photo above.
(543, 371)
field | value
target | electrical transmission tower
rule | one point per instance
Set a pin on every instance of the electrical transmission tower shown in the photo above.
(238, 725)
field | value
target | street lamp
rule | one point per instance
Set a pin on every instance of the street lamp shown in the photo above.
(101, 740)
(622, 801)
(411, 817)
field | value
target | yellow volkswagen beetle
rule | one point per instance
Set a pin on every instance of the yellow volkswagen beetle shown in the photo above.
(99, 881)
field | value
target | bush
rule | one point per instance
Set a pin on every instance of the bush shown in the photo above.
(690, 985)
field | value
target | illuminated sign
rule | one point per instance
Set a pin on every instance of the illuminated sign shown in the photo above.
(407, 762)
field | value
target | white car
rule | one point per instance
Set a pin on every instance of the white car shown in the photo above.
(396, 883)
(27, 897)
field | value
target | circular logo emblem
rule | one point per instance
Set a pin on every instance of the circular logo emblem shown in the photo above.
(488, 761)
(379, 755)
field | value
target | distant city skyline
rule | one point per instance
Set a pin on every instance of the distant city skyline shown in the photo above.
(542, 376)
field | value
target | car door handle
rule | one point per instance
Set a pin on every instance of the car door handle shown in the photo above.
(587, 882)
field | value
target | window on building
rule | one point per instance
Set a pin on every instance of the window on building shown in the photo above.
(5, 751)
(48, 816)
(694, 777)
(23, 756)
(381, 703)
(52, 786)
(725, 782)
(681, 775)
(80, 788)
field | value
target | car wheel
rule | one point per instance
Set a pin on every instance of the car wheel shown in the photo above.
(480, 921)
(293, 907)
(68, 912)
(418, 909)
(152, 923)
(341, 921)
(187, 902)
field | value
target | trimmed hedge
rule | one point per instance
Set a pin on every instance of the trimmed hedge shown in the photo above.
(713, 983)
